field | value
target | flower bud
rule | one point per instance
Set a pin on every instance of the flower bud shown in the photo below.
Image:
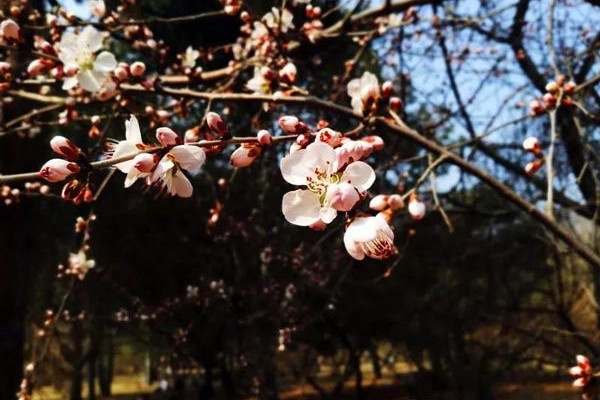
(395, 104)
(376, 141)
(57, 169)
(288, 123)
(549, 100)
(137, 68)
(264, 138)
(216, 124)
(64, 147)
(144, 162)
(4, 67)
(569, 88)
(36, 67)
(416, 208)
(10, 30)
(532, 167)
(121, 73)
(342, 196)
(244, 155)
(379, 202)
(532, 145)
(192, 135)
(167, 137)
(395, 202)
(552, 87)
(387, 89)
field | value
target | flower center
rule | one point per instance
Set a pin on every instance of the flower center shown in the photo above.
(379, 248)
(321, 180)
(85, 60)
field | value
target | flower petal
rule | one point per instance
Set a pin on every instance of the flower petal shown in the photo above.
(188, 157)
(69, 83)
(294, 169)
(180, 185)
(360, 175)
(301, 207)
(131, 177)
(353, 248)
(362, 229)
(132, 130)
(90, 80)
(322, 156)
(124, 148)
(105, 62)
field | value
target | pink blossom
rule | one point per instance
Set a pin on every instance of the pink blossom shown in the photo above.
(289, 123)
(370, 237)
(316, 168)
(329, 136)
(168, 173)
(582, 372)
(288, 73)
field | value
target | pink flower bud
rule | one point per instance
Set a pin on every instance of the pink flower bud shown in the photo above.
(387, 89)
(36, 67)
(121, 73)
(288, 123)
(9, 29)
(379, 202)
(70, 70)
(375, 141)
(216, 123)
(4, 67)
(244, 155)
(57, 169)
(137, 68)
(192, 135)
(416, 208)
(166, 136)
(342, 196)
(532, 145)
(395, 104)
(144, 162)
(395, 202)
(64, 147)
(532, 167)
(264, 138)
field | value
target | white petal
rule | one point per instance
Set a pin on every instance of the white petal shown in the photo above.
(90, 80)
(162, 169)
(301, 207)
(328, 214)
(189, 157)
(90, 39)
(354, 88)
(105, 62)
(131, 177)
(180, 185)
(69, 83)
(384, 227)
(322, 156)
(360, 175)
(294, 169)
(352, 248)
(125, 148)
(362, 229)
(132, 130)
